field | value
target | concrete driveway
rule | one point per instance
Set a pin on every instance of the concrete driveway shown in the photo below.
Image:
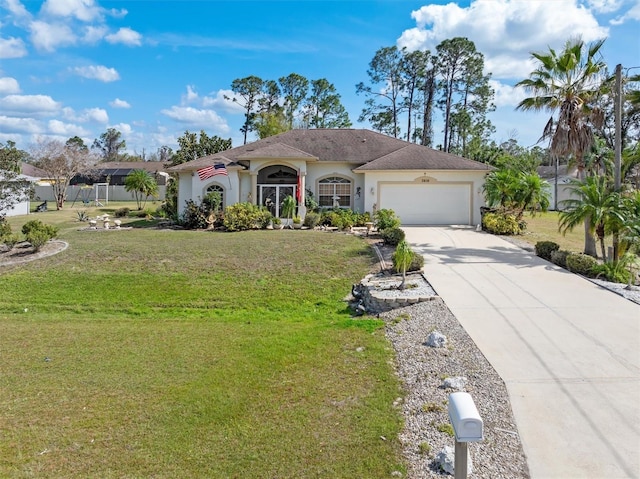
(568, 350)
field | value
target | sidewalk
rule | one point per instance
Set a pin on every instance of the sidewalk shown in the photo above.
(568, 350)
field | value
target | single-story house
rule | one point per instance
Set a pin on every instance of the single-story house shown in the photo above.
(559, 180)
(115, 172)
(31, 174)
(347, 168)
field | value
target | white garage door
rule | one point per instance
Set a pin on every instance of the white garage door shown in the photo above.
(428, 204)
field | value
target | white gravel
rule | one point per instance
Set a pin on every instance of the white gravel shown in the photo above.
(422, 370)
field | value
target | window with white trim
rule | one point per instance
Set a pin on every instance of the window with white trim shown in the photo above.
(334, 191)
(217, 189)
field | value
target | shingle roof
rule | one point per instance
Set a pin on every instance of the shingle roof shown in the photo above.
(123, 168)
(363, 149)
(417, 157)
(276, 150)
(28, 169)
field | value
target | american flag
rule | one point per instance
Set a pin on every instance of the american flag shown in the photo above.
(209, 171)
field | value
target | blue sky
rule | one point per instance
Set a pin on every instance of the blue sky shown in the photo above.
(153, 69)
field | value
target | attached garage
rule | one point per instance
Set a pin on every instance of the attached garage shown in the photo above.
(429, 204)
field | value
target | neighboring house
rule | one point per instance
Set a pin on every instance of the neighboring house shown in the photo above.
(558, 181)
(33, 175)
(105, 182)
(115, 172)
(357, 169)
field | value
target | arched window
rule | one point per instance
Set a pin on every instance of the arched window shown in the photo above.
(217, 189)
(334, 191)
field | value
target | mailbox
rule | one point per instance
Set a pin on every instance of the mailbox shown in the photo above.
(465, 418)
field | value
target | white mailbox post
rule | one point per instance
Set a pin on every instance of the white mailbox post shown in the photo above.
(467, 425)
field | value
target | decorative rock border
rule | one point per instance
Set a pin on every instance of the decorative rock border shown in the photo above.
(379, 293)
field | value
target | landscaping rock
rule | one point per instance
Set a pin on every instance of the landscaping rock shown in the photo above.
(436, 340)
(446, 460)
(457, 382)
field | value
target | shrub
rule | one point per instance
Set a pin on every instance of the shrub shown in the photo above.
(417, 262)
(385, 219)
(581, 264)
(393, 236)
(37, 225)
(559, 257)
(332, 218)
(311, 219)
(82, 215)
(122, 212)
(38, 233)
(615, 271)
(264, 218)
(38, 238)
(10, 241)
(7, 237)
(501, 224)
(194, 216)
(545, 248)
(245, 216)
(5, 228)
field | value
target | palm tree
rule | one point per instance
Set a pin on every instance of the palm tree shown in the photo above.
(593, 198)
(568, 82)
(402, 257)
(142, 184)
(515, 192)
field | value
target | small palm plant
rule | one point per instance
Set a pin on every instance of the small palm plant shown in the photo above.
(402, 260)
(143, 185)
(288, 207)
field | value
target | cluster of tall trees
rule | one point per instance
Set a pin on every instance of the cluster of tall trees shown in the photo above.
(573, 84)
(406, 87)
(272, 107)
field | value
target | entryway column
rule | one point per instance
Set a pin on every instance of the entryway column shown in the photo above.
(302, 209)
(254, 187)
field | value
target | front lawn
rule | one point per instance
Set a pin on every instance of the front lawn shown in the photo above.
(544, 227)
(152, 353)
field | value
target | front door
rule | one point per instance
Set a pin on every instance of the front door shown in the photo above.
(272, 196)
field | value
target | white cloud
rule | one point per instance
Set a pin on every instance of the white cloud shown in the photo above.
(19, 125)
(94, 34)
(125, 36)
(196, 117)
(9, 86)
(118, 103)
(26, 105)
(49, 36)
(605, 6)
(96, 115)
(123, 128)
(58, 127)
(220, 102)
(505, 31)
(97, 72)
(506, 95)
(16, 8)
(190, 97)
(12, 48)
(83, 10)
(632, 14)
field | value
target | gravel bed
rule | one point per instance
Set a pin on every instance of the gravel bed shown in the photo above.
(422, 370)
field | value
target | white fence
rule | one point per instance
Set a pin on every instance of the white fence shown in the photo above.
(80, 195)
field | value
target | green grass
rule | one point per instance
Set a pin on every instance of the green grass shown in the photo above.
(544, 227)
(148, 353)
